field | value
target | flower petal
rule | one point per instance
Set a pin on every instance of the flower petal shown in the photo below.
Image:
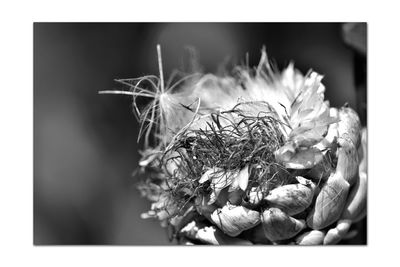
(220, 181)
(241, 180)
(208, 175)
(304, 159)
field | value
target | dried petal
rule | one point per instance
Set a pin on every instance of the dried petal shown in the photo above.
(291, 199)
(357, 200)
(304, 159)
(334, 235)
(279, 226)
(311, 238)
(241, 180)
(329, 203)
(232, 220)
(306, 137)
(285, 153)
(349, 127)
(347, 163)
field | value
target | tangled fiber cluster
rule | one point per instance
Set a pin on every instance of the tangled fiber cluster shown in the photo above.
(255, 157)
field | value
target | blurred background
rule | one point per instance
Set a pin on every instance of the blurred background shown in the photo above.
(85, 147)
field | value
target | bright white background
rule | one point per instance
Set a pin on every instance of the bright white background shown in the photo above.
(16, 73)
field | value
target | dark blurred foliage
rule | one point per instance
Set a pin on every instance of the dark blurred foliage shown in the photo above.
(85, 147)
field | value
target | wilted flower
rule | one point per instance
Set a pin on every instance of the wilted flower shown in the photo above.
(256, 157)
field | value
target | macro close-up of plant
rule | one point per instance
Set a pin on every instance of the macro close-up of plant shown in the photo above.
(253, 156)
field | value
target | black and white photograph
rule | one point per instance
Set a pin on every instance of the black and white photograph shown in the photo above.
(200, 133)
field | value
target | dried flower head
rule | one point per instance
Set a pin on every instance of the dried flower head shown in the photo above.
(235, 151)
